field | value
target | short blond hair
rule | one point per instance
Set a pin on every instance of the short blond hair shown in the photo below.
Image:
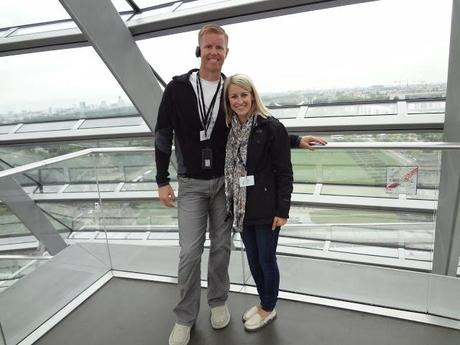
(243, 81)
(213, 29)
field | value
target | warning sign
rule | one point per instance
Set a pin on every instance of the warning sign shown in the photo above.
(402, 180)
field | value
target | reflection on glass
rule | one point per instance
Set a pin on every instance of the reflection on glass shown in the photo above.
(45, 28)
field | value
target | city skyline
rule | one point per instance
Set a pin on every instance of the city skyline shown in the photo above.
(123, 107)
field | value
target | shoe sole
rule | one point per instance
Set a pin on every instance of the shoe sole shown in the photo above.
(265, 324)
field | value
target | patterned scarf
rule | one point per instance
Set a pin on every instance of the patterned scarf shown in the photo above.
(235, 167)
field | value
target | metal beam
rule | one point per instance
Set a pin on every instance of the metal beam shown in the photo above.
(30, 215)
(105, 30)
(447, 237)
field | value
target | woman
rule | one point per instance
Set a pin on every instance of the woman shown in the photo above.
(258, 187)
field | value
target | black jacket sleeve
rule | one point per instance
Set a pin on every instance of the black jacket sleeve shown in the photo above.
(282, 167)
(294, 141)
(163, 138)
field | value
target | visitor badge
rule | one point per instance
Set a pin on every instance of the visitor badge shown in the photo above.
(203, 135)
(247, 181)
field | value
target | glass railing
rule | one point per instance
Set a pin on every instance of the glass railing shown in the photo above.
(362, 203)
(36, 250)
(355, 202)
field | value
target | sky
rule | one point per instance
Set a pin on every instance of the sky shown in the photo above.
(388, 42)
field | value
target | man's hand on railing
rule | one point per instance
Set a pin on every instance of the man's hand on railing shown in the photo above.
(309, 141)
(167, 196)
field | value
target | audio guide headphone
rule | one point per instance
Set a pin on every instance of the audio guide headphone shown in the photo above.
(198, 51)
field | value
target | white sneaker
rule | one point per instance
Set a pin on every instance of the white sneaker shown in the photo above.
(180, 335)
(256, 321)
(249, 313)
(220, 316)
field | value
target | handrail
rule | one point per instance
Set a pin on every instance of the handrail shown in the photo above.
(329, 146)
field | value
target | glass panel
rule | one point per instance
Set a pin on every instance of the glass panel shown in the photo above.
(80, 188)
(27, 153)
(409, 136)
(352, 110)
(148, 225)
(22, 12)
(25, 243)
(198, 3)
(317, 76)
(122, 5)
(6, 129)
(151, 3)
(429, 107)
(59, 87)
(284, 113)
(47, 126)
(155, 12)
(49, 189)
(371, 173)
(118, 122)
(304, 187)
(369, 233)
(45, 28)
(142, 186)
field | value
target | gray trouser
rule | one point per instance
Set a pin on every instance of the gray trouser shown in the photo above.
(198, 201)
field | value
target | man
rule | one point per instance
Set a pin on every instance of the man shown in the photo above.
(191, 111)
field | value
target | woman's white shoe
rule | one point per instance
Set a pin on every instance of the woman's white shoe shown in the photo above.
(256, 321)
(249, 313)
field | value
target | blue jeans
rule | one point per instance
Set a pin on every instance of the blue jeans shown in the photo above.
(260, 242)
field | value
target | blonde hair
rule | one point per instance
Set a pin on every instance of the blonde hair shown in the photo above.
(214, 29)
(246, 83)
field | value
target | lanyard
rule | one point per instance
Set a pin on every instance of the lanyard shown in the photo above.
(205, 116)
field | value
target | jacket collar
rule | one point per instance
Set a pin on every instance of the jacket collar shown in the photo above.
(262, 121)
(185, 78)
